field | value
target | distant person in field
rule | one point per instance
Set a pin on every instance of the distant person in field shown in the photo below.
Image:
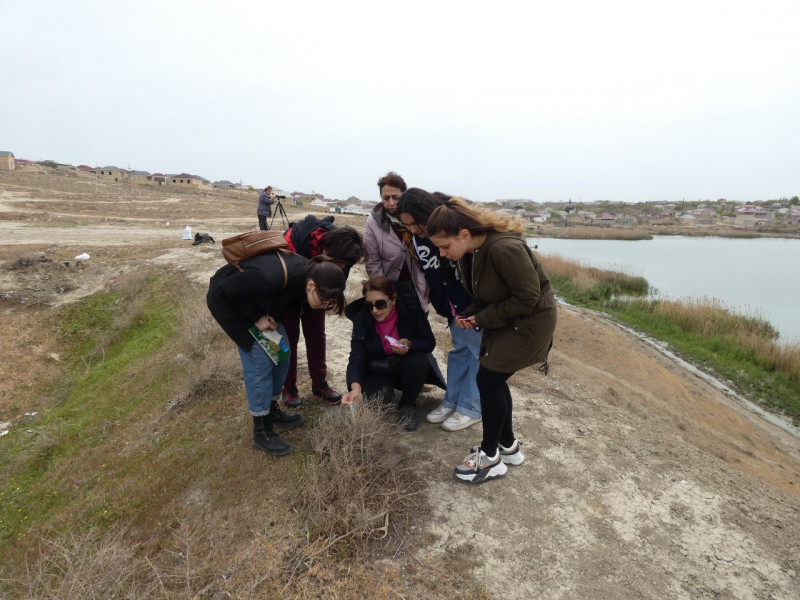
(265, 200)
(270, 285)
(308, 238)
(515, 308)
(388, 241)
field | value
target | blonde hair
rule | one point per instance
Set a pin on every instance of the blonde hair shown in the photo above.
(457, 214)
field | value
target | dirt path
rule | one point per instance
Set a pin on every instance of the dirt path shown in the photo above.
(641, 479)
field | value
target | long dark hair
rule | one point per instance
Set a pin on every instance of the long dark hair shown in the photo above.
(344, 244)
(329, 280)
(419, 204)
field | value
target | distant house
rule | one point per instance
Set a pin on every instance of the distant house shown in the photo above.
(223, 185)
(140, 176)
(534, 217)
(186, 179)
(320, 203)
(21, 162)
(355, 209)
(750, 215)
(85, 171)
(159, 178)
(110, 173)
(7, 162)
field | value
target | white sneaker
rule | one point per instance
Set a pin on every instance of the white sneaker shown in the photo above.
(511, 456)
(438, 414)
(458, 421)
(477, 467)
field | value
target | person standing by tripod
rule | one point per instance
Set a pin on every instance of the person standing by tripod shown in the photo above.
(265, 201)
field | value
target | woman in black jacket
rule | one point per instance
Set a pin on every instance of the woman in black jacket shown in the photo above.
(389, 349)
(269, 285)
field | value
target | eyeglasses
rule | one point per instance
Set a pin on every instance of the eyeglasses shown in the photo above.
(394, 197)
(324, 305)
(379, 304)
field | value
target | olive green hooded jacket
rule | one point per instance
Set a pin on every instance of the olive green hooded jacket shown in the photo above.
(514, 303)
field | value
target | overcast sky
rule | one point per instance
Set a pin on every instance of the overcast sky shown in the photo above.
(625, 100)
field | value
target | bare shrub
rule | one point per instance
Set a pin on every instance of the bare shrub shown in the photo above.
(361, 484)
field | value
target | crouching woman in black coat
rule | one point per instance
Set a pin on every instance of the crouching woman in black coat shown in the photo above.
(268, 286)
(389, 349)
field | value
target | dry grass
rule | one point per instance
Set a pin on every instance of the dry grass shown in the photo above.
(206, 354)
(360, 483)
(708, 317)
(585, 278)
(163, 503)
(590, 232)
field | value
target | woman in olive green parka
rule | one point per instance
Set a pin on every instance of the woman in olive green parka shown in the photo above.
(514, 307)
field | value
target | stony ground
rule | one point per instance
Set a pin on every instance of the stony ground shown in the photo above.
(642, 479)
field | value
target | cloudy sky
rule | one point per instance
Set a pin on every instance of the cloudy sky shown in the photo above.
(549, 100)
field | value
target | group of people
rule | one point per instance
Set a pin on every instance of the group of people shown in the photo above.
(421, 250)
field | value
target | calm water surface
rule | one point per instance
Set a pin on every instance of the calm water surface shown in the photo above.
(750, 276)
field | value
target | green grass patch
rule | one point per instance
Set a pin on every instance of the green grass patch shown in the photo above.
(55, 468)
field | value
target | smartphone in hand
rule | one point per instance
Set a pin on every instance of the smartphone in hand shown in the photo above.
(394, 342)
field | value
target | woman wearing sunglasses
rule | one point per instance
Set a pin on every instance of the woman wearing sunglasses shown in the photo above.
(389, 349)
(268, 286)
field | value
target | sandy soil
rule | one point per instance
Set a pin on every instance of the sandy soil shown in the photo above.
(642, 480)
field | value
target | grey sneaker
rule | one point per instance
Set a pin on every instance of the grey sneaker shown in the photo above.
(478, 468)
(510, 456)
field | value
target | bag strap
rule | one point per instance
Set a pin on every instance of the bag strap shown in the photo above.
(285, 270)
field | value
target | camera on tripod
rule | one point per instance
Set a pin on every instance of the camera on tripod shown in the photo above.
(279, 210)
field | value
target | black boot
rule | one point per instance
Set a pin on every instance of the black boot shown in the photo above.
(284, 420)
(408, 417)
(266, 440)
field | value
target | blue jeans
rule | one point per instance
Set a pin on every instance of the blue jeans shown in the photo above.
(263, 379)
(462, 369)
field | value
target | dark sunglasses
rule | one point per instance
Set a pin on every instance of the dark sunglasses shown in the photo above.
(379, 304)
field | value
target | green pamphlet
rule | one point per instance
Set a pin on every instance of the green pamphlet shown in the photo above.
(272, 343)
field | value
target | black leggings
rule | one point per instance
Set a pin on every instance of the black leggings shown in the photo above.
(495, 409)
(410, 379)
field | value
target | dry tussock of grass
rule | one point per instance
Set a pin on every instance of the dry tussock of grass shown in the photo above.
(361, 484)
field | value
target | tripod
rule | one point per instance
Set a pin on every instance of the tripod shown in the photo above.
(278, 209)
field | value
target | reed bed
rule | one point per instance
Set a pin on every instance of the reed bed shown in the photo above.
(579, 283)
(742, 348)
(709, 318)
(590, 232)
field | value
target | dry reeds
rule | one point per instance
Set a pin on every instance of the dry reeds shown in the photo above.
(586, 278)
(603, 233)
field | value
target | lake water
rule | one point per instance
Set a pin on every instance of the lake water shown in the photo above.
(757, 277)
